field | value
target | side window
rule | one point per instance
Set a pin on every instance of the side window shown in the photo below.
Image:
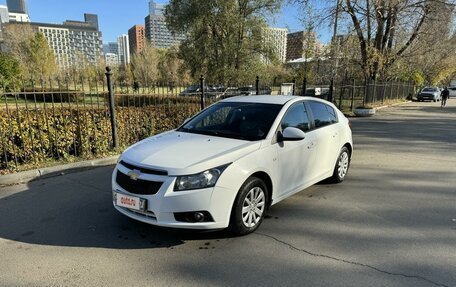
(322, 115)
(332, 114)
(296, 117)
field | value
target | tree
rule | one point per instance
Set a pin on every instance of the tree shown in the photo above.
(170, 66)
(223, 36)
(9, 70)
(144, 65)
(40, 58)
(17, 37)
(389, 30)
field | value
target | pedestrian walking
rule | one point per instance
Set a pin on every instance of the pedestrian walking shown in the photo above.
(444, 95)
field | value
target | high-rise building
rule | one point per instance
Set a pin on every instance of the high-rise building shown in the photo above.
(137, 38)
(124, 49)
(111, 47)
(17, 6)
(276, 39)
(156, 30)
(4, 14)
(298, 43)
(4, 18)
(73, 42)
(155, 8)
(19, 17)
(18, 11)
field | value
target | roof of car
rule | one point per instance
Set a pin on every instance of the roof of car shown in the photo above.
(265, 99)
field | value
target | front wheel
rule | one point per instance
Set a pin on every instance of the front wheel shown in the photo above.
(342, 165)
(249, 207)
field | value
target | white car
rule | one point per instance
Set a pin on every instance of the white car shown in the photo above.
(229, 163)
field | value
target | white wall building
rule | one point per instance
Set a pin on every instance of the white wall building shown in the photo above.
(276, 38)
(4, 15)
(19, 17)
(124, 49)
(111, 59)
(74, 43)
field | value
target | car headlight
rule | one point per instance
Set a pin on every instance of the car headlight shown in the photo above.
(204, 179)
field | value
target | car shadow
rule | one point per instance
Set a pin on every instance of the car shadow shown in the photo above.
(76, 210)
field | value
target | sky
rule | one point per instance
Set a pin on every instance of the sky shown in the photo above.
(117, 16)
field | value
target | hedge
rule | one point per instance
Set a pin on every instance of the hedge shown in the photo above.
(29, 136)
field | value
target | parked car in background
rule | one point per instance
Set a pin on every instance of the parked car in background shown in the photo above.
(429, 94)
(251, 90)
(452, 90)
(195, 89)
(230, 92)
(229, 163)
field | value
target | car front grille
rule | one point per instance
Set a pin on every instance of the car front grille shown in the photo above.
(144, 170)
(138, 186)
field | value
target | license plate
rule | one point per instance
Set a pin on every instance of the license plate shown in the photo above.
(131, 202)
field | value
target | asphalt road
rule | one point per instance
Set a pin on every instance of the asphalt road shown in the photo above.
(391, 223)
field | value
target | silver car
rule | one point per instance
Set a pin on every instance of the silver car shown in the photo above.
(429, 94)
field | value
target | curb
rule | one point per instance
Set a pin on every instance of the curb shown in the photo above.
(392, 105)
(40, 173)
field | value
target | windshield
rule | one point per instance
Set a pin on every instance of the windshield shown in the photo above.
(245, 121)
(429, 89)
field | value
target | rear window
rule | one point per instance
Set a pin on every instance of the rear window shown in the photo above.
(323, 114)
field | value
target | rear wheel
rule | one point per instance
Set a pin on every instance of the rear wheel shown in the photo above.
(249, 207)
(342, 165)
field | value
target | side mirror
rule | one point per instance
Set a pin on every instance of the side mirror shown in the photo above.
(291, 134)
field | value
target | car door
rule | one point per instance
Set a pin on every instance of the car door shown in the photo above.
(326, 136)
(295, 158)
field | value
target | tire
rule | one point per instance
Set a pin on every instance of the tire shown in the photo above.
(245, 217)
(342, 166)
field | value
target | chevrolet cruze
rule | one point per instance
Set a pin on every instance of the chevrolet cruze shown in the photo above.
(229, 163)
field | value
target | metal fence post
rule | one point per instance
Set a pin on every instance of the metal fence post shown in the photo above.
(365, 91)
(202, 91)
(385, 85)
(294, 87)
(330, 93)
(341, 91)
(352, 95)
(112, 110)
(257, 85)
(397, 92)
(304, 86)
(374, 92)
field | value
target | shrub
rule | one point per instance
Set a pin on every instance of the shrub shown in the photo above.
(29, 136)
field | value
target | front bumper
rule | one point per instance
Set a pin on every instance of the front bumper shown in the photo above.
(427, 97)
(161, 206)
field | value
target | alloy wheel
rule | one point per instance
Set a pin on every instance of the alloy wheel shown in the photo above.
(253, 207)
(343, 165)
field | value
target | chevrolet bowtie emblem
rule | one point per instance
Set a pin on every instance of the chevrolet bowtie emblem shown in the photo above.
(134, 174)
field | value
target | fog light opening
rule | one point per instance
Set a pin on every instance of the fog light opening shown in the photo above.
(193, 216)
(198, 216)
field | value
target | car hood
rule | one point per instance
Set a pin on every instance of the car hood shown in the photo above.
(185, 153)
